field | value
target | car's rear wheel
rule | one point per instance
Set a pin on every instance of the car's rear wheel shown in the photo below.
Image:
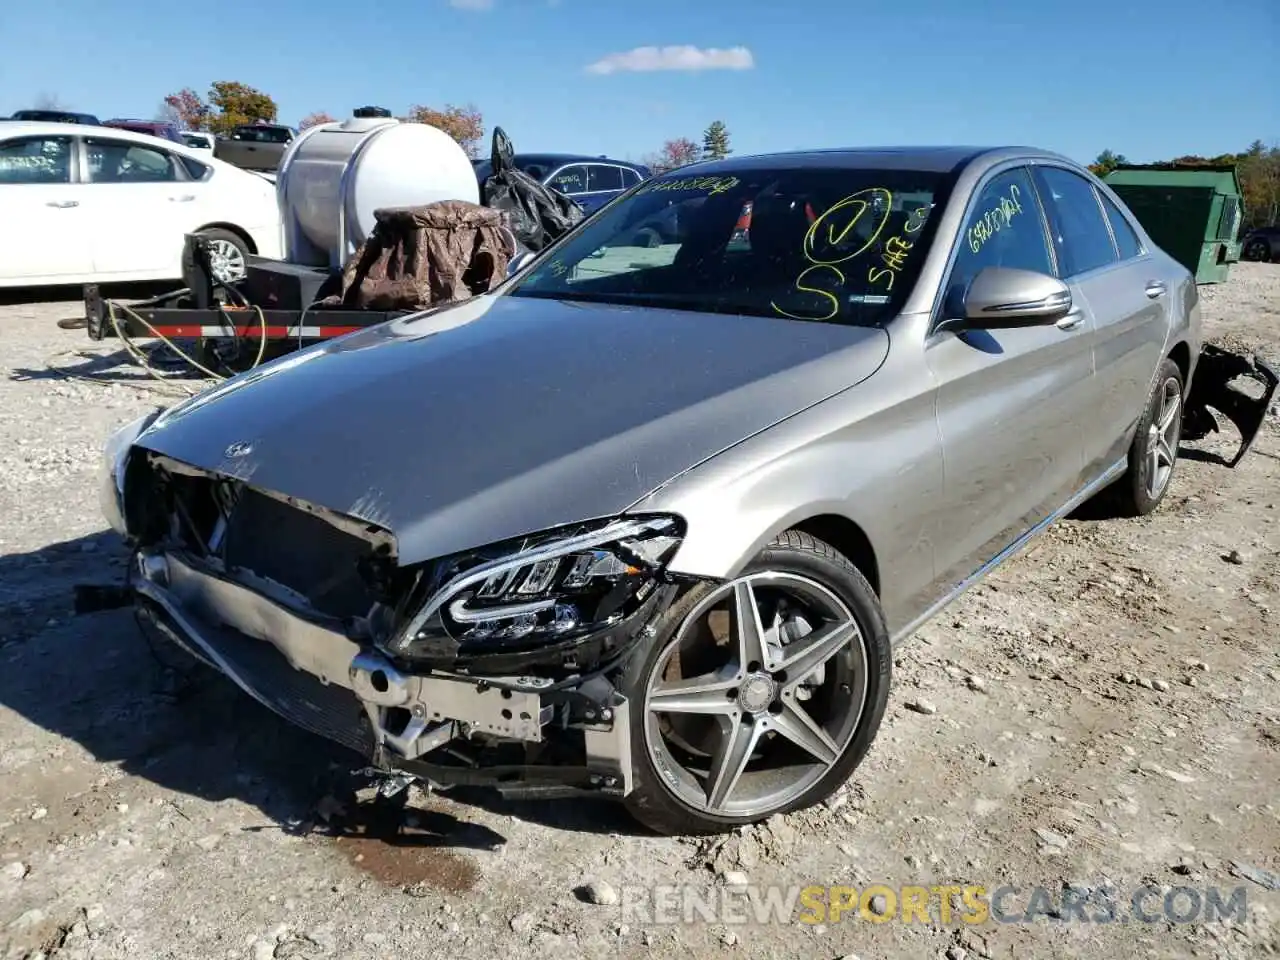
(1154, 451)
(228, 254)
(760, 695)
(1259, 250)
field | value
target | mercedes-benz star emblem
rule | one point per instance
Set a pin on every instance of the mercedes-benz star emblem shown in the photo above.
(241, 448)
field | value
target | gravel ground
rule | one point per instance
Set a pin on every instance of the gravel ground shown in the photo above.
(1105, 710)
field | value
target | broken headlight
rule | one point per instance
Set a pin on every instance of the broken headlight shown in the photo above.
(111, 474)
(546, 592)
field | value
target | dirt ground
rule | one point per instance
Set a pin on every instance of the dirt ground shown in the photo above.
(1103, 712)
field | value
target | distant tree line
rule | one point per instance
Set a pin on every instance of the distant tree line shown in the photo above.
(228, 105)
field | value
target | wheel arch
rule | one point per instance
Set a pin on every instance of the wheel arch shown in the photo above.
(847, 538)
(1180, 353)
(230, 228)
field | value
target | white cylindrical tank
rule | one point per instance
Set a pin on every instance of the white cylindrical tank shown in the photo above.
(334, 175)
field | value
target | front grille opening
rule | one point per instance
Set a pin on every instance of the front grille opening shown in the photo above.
(300, 551)
(245, 531)
(396, 721)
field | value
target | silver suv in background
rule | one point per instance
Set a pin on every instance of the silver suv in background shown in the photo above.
(255, 146)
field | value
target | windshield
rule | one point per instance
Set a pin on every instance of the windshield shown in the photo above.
(830, 245)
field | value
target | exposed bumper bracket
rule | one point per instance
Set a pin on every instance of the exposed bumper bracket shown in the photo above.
(1211, 387)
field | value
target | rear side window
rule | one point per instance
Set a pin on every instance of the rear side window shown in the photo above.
(629, 177)
(1080, 234)
(121, 161)
(195, 169)
(1128, 242)
(602, 177)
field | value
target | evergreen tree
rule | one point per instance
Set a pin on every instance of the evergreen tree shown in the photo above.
(715, 141)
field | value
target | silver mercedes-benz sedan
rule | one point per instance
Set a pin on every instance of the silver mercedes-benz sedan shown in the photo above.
(647, 520)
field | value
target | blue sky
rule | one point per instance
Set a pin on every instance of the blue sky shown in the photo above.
(1148, 78)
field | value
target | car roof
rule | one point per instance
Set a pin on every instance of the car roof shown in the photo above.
(934, 159)
(31, 128)
(550, 159)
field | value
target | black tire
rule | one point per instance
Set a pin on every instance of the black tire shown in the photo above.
(1259, 250)
(657, 807)
(1131, 493)
(239, 242)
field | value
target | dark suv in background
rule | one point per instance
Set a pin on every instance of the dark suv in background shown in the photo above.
(55, 116)
(591, 181)
(1262, 244)
(152, 128)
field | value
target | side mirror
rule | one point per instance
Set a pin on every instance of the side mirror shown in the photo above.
(1002, 298)
(519, 262)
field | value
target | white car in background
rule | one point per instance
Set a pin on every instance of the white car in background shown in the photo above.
(198, 140)
(84, 204)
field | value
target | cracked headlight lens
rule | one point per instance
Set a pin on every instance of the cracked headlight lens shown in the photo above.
(557, 589)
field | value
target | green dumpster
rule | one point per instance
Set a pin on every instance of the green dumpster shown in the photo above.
(1192, 212)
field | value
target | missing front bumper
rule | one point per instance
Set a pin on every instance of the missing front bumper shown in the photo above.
(435, 726)
(1213, 388)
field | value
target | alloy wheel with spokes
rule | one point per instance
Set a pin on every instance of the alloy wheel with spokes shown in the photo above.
(1162, 437)
(226, 260)
(757, 695)
(1153, 451)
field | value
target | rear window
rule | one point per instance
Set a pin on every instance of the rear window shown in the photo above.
(255, 134)
(828, 245)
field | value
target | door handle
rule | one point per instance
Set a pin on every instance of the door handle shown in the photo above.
(185, 198)
(1156, 288)
(63, 204)
(1070, 321)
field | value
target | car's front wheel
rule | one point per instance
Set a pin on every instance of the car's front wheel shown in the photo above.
(760, 695)
(1154, 451)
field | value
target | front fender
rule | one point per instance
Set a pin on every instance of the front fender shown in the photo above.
(871, 456)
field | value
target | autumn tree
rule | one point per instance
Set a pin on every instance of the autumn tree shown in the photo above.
(674, 153)
(715, 141)
(1106, 162)
(313, 119)
(238, 104)
(187, 109)
(1259, 173)
(464, 124)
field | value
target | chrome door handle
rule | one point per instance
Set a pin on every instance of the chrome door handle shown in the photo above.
(1156, 288)
(185, 198)
(1070, 321)
(63, 204)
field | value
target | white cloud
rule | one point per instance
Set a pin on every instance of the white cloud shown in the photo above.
(472, 4)
(648, 59)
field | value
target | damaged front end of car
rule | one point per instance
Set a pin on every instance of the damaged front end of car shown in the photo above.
(497, 667)
(1215, 385)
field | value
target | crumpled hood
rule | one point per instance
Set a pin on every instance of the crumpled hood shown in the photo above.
(503, 416)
